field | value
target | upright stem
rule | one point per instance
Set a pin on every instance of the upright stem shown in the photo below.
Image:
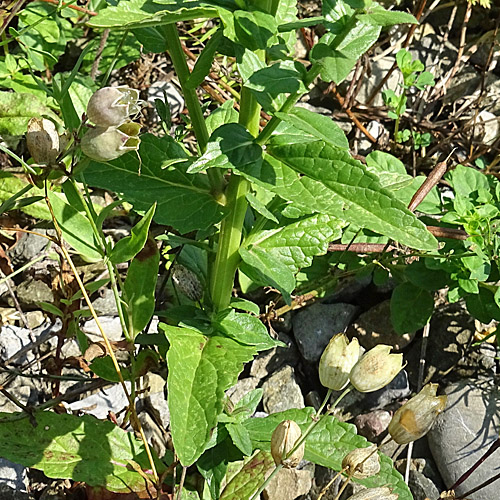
(215, 175)
(228, 258)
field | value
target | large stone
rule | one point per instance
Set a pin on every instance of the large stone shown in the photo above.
(242, 388)
(316, 325)
(288, 484)
(422, 487)
(452, 328)
(464, 432)
(272, 360)
(32, 291)
(374, 327)
(13, 481)
(281, 392)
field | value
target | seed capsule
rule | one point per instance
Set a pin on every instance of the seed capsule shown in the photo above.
(42, 141)
(283, 440)
(336, 362)
(111, 106)
(105, 144)
(187, 282)
(383, 493)
(416, 417)
(376, 369)
(362, 462)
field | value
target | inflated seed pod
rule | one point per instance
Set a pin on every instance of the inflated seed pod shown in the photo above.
(415, 418)
(284, 437)
(362, 462)
(105, 144)
(376, 369)
(337, 361)
(111, 106)
(42, 141)
(187, 282)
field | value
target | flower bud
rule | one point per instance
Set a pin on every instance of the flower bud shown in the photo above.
(362, 462)
(283, 440)
(383, 493)
(337, 361)
(187, 282)
(415, 418)
(104, 144)
(42, 141)
(111, 106)
(376, 369)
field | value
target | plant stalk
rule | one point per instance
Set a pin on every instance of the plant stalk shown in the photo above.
(215, 175)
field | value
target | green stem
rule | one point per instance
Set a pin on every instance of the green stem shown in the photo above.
(228, 258)
(215, 175)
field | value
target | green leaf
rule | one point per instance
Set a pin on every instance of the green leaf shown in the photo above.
(128, 247)
(327, 445)
(411, 308)
(152, 38)
(204, 62)
(17, 108)
(201, 369)
(222, 115)
(260, 208)
(254, 30)
(155, 181)
(319, 126)
(428, 279)
(104, 368)
(246, 482)
(231, 145)
(483, 306)
(245, 305)
(240, 437)
(297, 243)
(382, 17)
(11, 193)
(266, 270)
(390, 171)
(139, 287)
(245, 329)
(366, 203)
(466, 181)
(128, 14)
(76, 228)
(80, 448)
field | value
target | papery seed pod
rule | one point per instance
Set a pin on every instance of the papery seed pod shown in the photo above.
(376, 369)
(111, 106)
(105, 144)
(42, 141)
(383, 493)
(362, 462)
(415, 418)
(283, 440)
(187, 282)
(337, 361)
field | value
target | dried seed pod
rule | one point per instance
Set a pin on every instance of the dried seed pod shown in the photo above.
(282, 442)
(337, 361)
(416, 417)
(383, 493)
(105, 144)
(362, 462)
(187, 282)
(111, 106)
(42, 141)
(376, 369)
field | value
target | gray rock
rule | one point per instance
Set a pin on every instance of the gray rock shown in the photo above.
(28, 248)
(8, 493)
(175, 99)
(288, 484)
(373, 424)
(281, 392)
(463, 433)
(31, 291)
(374, 327)
(241, 388)
(315, 326)
(270, 361)
(479, 360)
(105, 304)
(12, 476)
(110, 324)
(452, 328)
(322, 477)
(422, 487)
